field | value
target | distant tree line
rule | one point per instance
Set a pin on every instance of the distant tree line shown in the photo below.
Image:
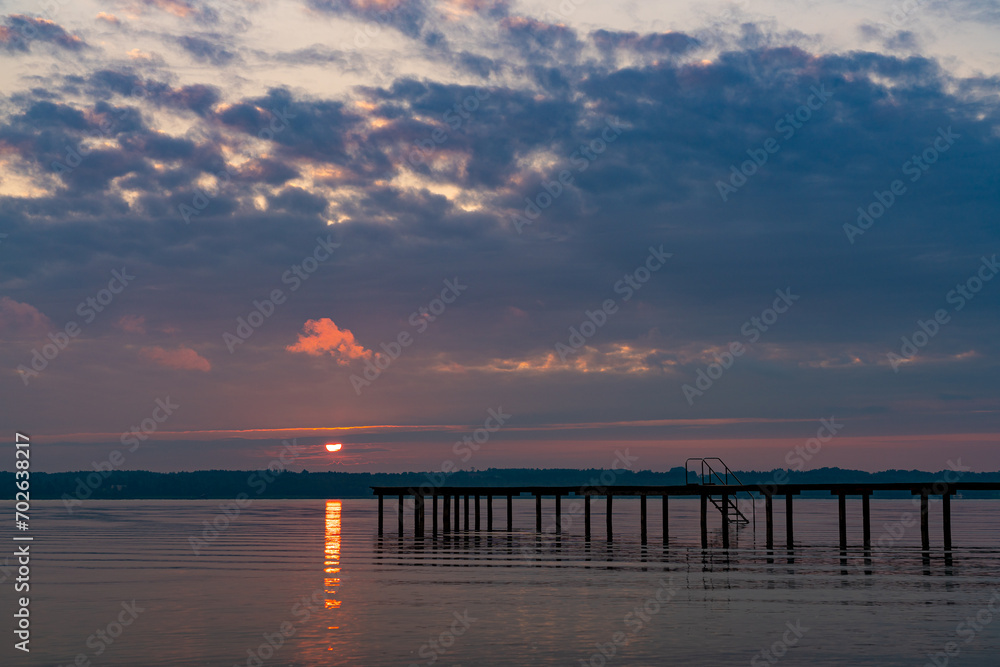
(134, 484)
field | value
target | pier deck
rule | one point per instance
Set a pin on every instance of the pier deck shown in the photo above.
(450, 498)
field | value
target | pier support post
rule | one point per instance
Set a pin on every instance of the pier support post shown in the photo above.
(586, 517)
(558, 513)
(704, 520)
(866, 516)
(510, 513)
(399, 514)
(666, 522)
(642, 518)
(769, 518)
(465, 506)
(725, 520)
(380, 514)
(842, 516)
(458, 499)
(418, 515)
(489, 513)
(477, 513)
(434, 514)
(946, 518)
(789, 534)
(925, 537)
(538, 512)
(608, 517)
(446, 513)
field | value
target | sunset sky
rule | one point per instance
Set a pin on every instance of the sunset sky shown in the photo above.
(218, 216)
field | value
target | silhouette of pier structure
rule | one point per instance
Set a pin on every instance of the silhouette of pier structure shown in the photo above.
(714, 485)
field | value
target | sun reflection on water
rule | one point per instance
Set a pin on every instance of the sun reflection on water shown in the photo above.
(331, 552)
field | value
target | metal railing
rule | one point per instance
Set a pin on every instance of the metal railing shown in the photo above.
(710, 476)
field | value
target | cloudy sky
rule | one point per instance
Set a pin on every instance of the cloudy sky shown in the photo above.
(684, 229)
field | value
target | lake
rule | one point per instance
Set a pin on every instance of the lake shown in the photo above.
(309, 582)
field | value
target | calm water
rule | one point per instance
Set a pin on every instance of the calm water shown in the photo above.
(317, 572)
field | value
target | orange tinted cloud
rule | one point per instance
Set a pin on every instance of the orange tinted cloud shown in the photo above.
(132, 324)
(183, 358)
(323, 335)
(21, 318)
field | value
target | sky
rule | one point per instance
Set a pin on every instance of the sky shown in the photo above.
(478, 233)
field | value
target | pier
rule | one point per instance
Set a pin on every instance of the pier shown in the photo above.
(721, 496)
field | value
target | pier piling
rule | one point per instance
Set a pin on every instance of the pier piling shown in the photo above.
(642, 518)
(704, 520)
(666, 522)
(925, 536)
(725, 520)
(608, 518)
(418, 515)
(789, 534)
(446, 513)
(705, 492)
(842, 516)
(769, 519)
(866, 518)
(946, 518)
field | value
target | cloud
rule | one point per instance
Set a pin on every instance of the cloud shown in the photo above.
(324, 335)
(20, 31)
(108, 18)
(132, 324)
(182, 358)
(21, 319)
(207, 50)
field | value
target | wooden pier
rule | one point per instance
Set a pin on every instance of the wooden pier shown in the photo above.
(719, 495)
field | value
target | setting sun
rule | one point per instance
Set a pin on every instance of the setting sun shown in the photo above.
(333, 446)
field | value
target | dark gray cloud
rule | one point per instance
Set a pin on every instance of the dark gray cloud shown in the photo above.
(208, 48)
(19, 32)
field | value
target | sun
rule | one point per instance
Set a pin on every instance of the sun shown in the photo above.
(333, 446)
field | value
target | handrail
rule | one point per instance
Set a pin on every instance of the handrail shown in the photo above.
(708, 474)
